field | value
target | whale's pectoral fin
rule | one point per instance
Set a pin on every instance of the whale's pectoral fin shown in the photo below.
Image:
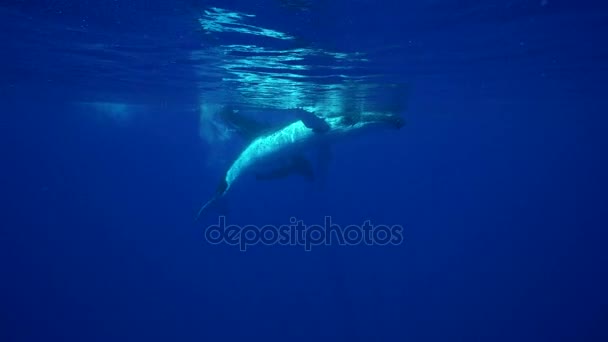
(219, 192)
(312, 121)
(298, 165)
(205, 207)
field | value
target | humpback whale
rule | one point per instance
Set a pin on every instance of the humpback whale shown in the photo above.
(279, 152)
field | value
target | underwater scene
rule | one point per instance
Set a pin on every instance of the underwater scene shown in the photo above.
(304, 170)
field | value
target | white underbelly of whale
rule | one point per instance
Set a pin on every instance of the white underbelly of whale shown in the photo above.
(274, 148)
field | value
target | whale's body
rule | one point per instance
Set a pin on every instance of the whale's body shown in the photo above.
(293, 140)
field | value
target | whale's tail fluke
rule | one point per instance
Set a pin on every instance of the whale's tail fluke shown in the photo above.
(221, 190)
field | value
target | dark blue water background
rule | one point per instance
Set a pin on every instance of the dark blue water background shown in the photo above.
(498, 178)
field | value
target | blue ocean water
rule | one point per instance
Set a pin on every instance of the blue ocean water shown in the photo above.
(110, 144)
